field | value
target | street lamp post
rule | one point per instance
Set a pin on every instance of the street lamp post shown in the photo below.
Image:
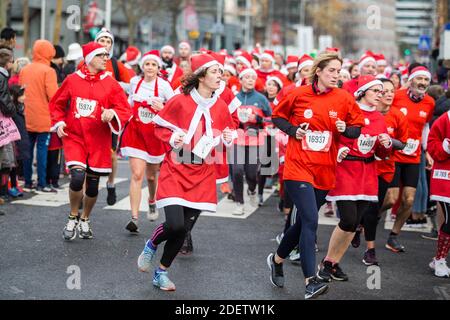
(43, 15)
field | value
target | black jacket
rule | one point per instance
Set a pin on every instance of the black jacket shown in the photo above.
(7, 107)
(442, 106)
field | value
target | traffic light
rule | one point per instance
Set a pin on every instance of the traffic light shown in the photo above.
(407, 52)
(93, 32)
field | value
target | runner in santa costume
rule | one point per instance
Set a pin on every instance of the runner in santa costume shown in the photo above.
(173, 71)
(314, 117)
(356, 176)
(244, 61)
(85, 110)
(439, 149)
(418, 108)
(184, 53)
(253, 114)
(266, 68)
(304, 68)
(381, 63)
(191, 123)
(290, 70)
(367, 66)
(132, 57)
(397, 128)
(148, 95)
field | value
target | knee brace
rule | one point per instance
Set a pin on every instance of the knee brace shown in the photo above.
(92, 186)
(77, 179)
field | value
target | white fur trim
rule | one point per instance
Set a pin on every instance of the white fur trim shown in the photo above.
(242, 59)
(204, 206)
(365, 60)
(101, 170)
(304, 64)
(419, 73)
(446, 145)
(440, 198)
(366, 108)
(234, 104)
(170, 48)
(150, 57)
(91, 55)
(140, 154)
(75, 163)
(247, 71)
(367, 86)
(166, 124)
(118, 122)
(381, 62)
(276, 102)
(291, 65)
(230, 69)
(207, 65)
(276, 79)
(355, 197)
(222, 180)
(55, 127)
(267, 56)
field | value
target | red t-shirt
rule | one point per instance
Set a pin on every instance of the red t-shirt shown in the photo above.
(397, 128)
(313, 159)
(417, 115)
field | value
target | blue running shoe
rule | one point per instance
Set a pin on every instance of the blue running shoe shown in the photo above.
(14, 192)
(162, 281)
(146, 257)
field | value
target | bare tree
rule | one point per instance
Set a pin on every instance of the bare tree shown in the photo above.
(26, 28)
(326, 16)
(57, 27)
(4, 5)
(134, 11)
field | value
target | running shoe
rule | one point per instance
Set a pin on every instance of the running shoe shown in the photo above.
(279, 237)
(15, 193)
(315, 288)
(239, 210)
(112, 197)
(328, 271)
(433, 235)
(146, 257)
(132, 226)
(370, 258)
(260, 200)
(253, 198)
(162, 281)
(70, 230)
(152, 213)
(440, 268)
(294, 256)
(276, 271)
(84, 229)
(46, 189)
(393, 244)
(356, 241)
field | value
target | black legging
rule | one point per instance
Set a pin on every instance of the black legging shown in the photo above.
(350, 213)
(245, 162)
(53, 166)
(446, 225)
(173, 230)
(303, 231)
(267, 163)
(372, 215)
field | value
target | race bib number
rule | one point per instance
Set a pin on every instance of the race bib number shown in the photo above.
(85, 107)
(366, 143)
(411, 147)
(317, 141)
(244, 114)
(203, 147)
(145, 115)
(441, 174)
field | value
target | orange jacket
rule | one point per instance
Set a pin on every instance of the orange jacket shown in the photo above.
(40, 83)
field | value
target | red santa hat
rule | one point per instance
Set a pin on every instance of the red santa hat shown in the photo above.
(269, 55)
(366, 82)
(245, 58)
(247, 71)
(132, 55)
(204, 61)
(91, 49)
(256, 52)
(291, 62)
(380, 59)
(219, 58)
(168, 48)
(366, 57)
(230, 69)
(305, 60)
(276, 79)
(203, 50)
(419, 71)
(184, 44)
(332, 49)
(223, 52)
(151, 55)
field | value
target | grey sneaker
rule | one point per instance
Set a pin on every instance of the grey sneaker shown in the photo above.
(84, 229)
(433, 235)
(276, 271)
(152, 213)
(370, 259)
(393, 244)
(315, 288)
(70, 230)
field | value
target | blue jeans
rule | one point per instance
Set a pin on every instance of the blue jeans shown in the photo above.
(420, 204)
(41, 140)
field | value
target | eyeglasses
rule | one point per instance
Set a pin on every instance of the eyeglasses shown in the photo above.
(102, 55)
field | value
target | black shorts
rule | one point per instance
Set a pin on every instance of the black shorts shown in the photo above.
(406, 175)
(115, 139)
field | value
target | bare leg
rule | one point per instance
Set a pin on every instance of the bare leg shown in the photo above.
(405, 208)
(137, 167)
(152, 180)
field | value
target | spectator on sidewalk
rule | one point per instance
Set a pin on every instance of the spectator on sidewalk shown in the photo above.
(40, 83)
(8, 37)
